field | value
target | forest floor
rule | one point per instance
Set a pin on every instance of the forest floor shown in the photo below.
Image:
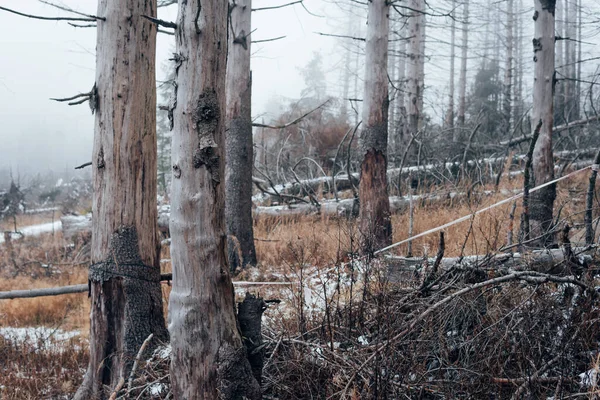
(43, 341)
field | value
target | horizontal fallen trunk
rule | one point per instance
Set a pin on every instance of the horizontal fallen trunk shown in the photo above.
(428, 171)
(545, 261)
(82, 288)
(557, 129)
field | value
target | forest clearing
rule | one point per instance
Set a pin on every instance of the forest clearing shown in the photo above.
(422, 226)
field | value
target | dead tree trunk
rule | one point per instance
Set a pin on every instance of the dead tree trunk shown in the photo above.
(209, 359)
(462, 85)
(400, 138)
(375, 223)
(508, 74)
(414, 62)
(542, 202)
(124, 277)
(450, 113)
(238, 144)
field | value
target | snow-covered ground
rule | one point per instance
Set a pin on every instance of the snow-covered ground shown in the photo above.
(40, 337)
(35, 230)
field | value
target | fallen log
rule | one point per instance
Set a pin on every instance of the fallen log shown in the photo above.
(82, 288)
(546, 261)
(557, 129)
(429, 171)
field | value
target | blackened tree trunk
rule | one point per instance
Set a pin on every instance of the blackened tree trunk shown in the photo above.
(125, 275)
(209, 359)
(375, 223)
(238, 144)
(542, 201)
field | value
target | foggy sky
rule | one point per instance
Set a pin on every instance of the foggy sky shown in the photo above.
(44, 59)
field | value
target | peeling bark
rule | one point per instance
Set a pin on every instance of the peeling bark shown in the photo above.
(542, 201)
(375, 224)
(125, 275)
(238, 143)
(209, 359)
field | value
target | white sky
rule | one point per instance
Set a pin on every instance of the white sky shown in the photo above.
(44, 59)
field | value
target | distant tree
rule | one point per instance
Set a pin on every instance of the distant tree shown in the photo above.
(315, 82)
(163, 130)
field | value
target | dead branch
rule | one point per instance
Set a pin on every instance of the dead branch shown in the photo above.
(277, 7)
(137, 361)
(82, 166)
(87, 19)
(557, 129)
(361, 39)
(268, 40)
(91, 96)
(294, 122)
(160, 22)
(67, 9)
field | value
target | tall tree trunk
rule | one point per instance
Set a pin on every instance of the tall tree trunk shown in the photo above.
(518, 64)
(542, 201)
(569, 59)
(462, 84)
(125, 274)
(209, 359)
(578, 61)
(392, 57)
(450, 113)
(559, 100)
(238, 144)
(400, 131)
(414, 63)
(375, 223)
(508, 73)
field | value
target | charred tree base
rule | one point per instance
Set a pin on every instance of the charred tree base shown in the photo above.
(375, 221)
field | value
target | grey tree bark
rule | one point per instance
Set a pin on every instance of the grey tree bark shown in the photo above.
(508, 73)
(400, 132)
(415, 61)
(375, 223)
(450, 113)
(462, 83)
(124, 278)
(238, 144)
(542, 201)
(209, 359)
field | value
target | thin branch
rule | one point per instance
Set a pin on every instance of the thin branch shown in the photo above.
(52, 18)
(82, 26)
(342, 36)
(268, 40)
(160, 22)
(67, 9)
(277, 7)
(294, 122)
(82, 166)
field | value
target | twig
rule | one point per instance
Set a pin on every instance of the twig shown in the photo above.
(82, 166)
(294, 122)
(160, 22)
(279, 6)
(118, 388)
(268, 40)
(137, 361)
(52, 18)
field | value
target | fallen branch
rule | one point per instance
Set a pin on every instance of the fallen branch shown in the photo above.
(294, 122)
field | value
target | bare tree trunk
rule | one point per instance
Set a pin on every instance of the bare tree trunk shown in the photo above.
(238, 144)
(209, 359)
(124, 277)
(375, 223)
(450, 113)
(414, 63)
(462, 84)
(569, 67)
(542, 201)
(578, 61)
(400, 139)
(508, 76)
(561, 62)
(518, 64)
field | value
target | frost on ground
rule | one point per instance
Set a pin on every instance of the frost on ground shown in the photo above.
(38, 336)
(35, 230)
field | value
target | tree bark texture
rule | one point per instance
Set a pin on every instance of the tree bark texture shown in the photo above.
(542, 201)
(462, 82)
(238, 143)
(508, 73)
(209, 359)
(375, 223)
(450, 113)
(124, 278)
(414, 86)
